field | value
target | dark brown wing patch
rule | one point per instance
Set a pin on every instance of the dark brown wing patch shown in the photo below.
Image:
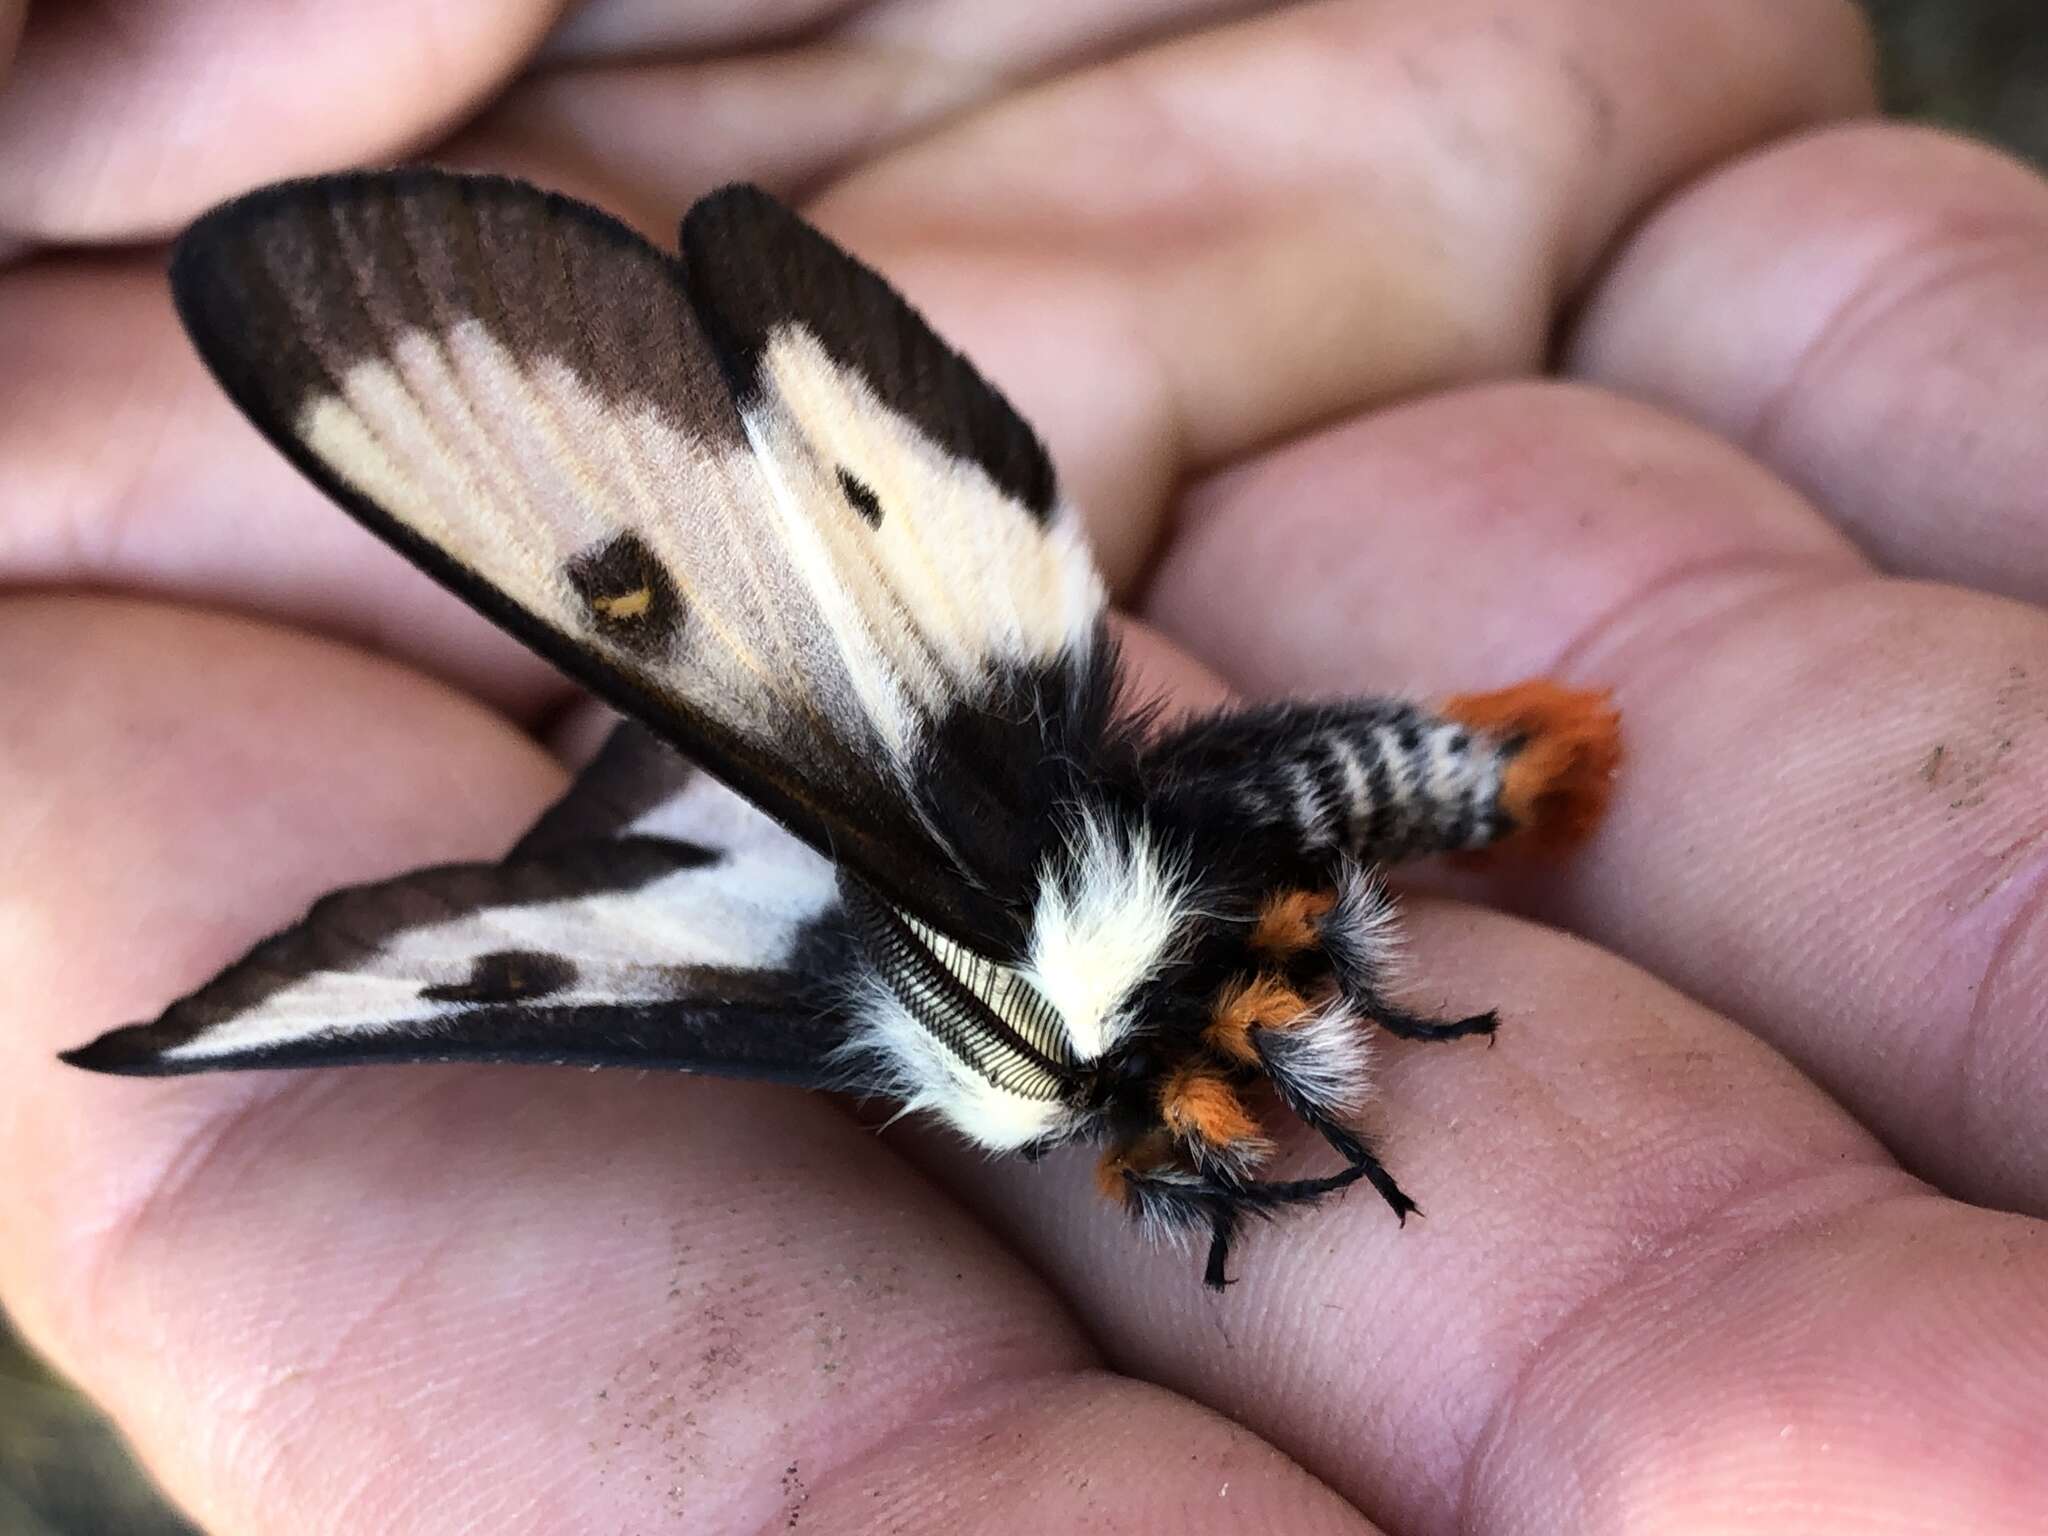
(507, 976)
(630, 596)
(548, 276)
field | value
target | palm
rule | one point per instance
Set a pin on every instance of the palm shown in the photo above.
(1667, 1280)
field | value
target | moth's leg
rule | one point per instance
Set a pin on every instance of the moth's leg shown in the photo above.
(1350, 931)
(1222, 1228)
(1379, 780)
(1228, 1207)
(1169, 1201)
(1172, 1202)
(1361, 1161)
(1316, 1063)
(1420, 1026)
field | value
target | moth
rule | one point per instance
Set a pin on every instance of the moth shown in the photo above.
(880, 817)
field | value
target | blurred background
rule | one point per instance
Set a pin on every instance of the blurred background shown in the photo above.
(1977, 65)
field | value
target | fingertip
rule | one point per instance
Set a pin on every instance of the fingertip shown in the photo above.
(90, 97)
(1864, 309)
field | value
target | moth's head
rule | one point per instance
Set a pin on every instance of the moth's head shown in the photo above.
(1260, 1017)
(1251, 1011)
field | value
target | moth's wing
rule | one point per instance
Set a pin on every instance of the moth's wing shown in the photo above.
(961, 556)
(652, 918)
(820, 592)
(837, 377)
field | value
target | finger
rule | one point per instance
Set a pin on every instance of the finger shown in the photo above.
(1867, 311)
(1658, 1272)
(1650, 1283)
(962, 34)
(295, 92)
(351, 1302)
(1828, 823)
(643, 95)
(122, 123)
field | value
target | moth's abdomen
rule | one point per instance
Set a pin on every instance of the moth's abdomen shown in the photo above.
(1380, 780)
(1387, 788)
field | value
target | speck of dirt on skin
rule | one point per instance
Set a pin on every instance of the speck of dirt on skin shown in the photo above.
(794, 1493)
(1930, 766)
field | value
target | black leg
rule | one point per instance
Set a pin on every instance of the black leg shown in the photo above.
(1364, 1163)
(1418, 1026)
(1221, 1231)
(1223, 1206)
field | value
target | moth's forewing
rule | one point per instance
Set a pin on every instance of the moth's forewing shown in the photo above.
(816, 586)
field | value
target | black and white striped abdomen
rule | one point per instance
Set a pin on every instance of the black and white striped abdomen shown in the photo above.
(1388, 789)
(1379, 779)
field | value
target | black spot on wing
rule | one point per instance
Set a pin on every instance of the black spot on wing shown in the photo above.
(505, 976)
(861, 496)
(752, 267)
(628, 594)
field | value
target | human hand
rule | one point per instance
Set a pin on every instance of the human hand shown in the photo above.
(1666, 1281)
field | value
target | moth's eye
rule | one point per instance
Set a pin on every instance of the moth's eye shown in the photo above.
(1136, 1066)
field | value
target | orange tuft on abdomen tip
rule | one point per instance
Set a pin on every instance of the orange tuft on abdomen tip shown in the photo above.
(1557, 783)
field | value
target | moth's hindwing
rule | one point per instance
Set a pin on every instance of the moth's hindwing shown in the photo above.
(756, 504)
(651, 919)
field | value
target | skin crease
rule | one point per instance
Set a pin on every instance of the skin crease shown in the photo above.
(1259, 285)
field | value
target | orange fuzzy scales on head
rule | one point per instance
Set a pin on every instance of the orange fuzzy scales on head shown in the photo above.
(1291, 921)
(1556, 785)
(1201, 1106)
(1266, 1002)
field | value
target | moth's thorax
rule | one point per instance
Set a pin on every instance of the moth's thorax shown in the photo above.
(1117, 904)
(1032, 1046)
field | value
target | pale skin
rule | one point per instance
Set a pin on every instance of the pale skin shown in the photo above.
(1736, 1230)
